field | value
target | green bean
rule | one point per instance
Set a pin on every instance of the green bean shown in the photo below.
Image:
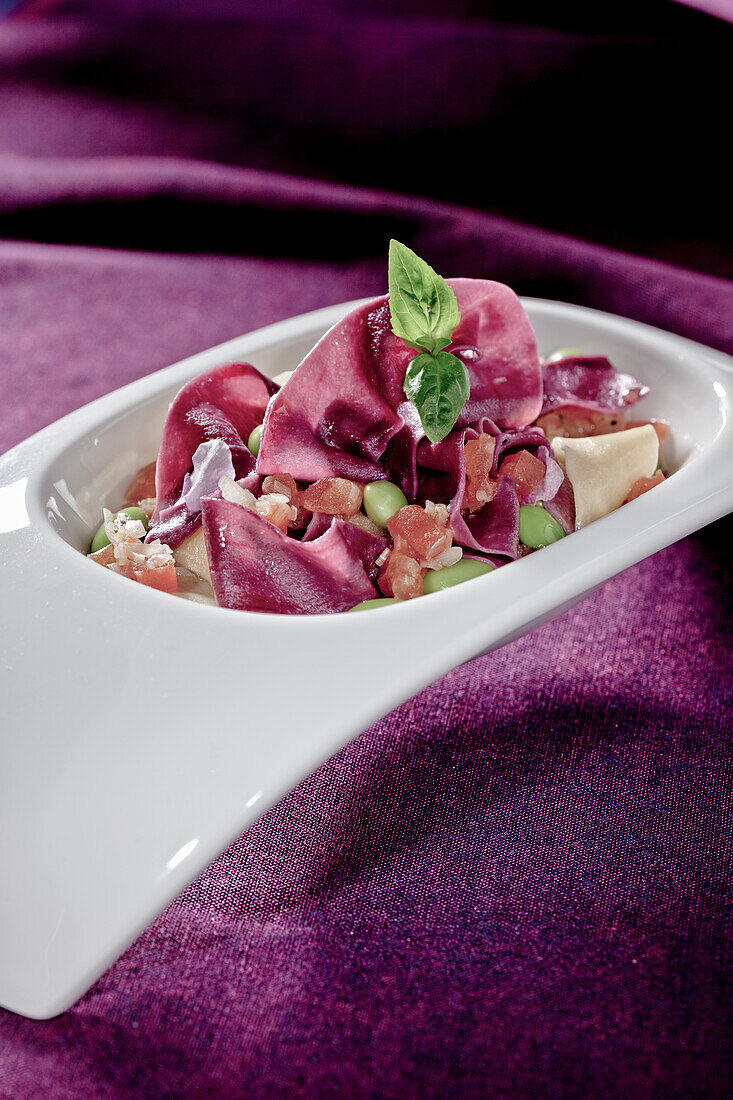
(565, 353)
(255, 438)
(537, 528)
(382, 500)
(464, 570)
(366, 605)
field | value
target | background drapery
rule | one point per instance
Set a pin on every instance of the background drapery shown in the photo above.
(519, 883)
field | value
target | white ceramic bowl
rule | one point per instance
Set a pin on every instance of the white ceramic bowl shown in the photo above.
(139, 734)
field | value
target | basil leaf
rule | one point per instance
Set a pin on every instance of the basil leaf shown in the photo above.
(438, 386)
(423, 307)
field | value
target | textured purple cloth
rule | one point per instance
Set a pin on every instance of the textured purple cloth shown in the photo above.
(519, 883)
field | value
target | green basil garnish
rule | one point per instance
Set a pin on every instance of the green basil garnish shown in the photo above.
(425, 314)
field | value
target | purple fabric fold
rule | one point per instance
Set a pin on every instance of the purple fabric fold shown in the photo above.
(517, 884)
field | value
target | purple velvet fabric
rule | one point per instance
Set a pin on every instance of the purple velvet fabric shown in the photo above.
(519, 883)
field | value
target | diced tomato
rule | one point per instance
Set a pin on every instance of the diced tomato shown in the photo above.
(643, 485)
(425, 538)
(281, 483)
(105, 556)
(661, 427)
(479, 458)
(163, 578)
(575, 423)
(334, 496)
(527, 471)
(401, 577)
(142, 485)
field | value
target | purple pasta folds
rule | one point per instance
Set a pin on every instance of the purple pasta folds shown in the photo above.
(255, 567)
(588, 382)
(495, 528)
(272, 542)
(219, 408)
(344, 413)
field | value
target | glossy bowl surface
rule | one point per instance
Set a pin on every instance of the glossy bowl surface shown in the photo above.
(139, 734)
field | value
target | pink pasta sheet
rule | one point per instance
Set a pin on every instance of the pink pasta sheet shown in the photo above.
(215, 412)
(255, 567)
(588, 382)
(344, 414)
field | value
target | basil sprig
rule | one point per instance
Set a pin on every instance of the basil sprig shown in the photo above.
(424, 314)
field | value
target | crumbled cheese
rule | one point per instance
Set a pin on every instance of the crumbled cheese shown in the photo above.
(236, 493)
(151, 555)
(447, 558)
(274, 507)
(121, 528)
(438, 512)
(271, 484)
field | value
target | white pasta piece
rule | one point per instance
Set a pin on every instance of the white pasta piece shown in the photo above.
(193, 587)
(602, 468)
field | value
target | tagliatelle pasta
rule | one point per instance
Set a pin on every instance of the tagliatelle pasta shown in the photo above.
(335, 490)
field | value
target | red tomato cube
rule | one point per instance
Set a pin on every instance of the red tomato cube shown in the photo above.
(527, 471)
(425, 537)
(479, 458)
(142, 486)
(334, 496)
(163, 578)
(643, 485)
(401, 577)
